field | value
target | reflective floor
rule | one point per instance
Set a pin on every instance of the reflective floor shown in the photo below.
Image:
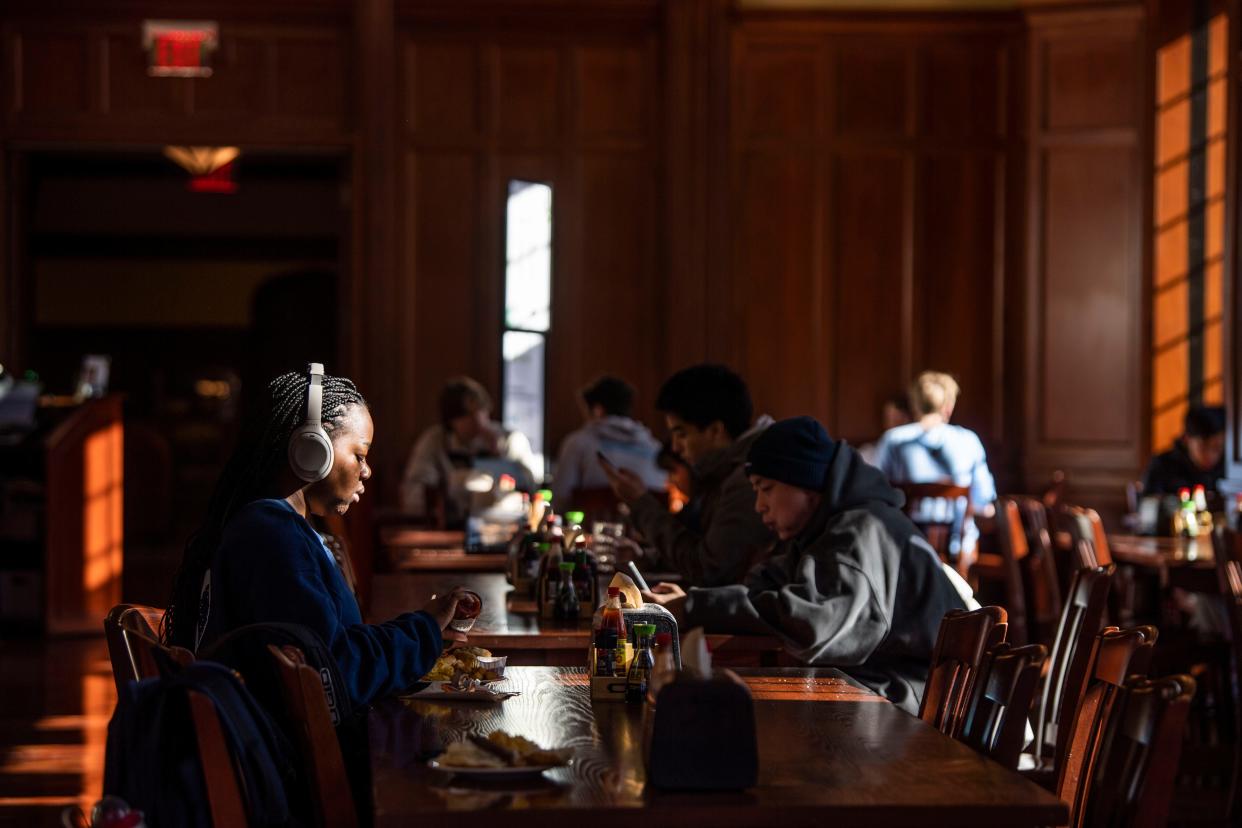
(56, 697)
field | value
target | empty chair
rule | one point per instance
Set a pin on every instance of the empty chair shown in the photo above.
(1081, 620)
(994, 721)
(1041, 581)
(1116, 656)
(1085, 527)
(963, 638)
(1130, 782)
(1011, 539)
(319, 750)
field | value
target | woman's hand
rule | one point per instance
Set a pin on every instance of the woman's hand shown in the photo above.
(442, 608)
(669, 596)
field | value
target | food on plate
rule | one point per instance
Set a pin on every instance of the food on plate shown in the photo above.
(464, 659)
(500, 750)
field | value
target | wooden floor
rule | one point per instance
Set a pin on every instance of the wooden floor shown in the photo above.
(56, 697)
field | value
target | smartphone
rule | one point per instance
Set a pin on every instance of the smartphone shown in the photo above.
(638, 578)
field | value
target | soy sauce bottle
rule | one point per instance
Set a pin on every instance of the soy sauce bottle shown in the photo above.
(567, 607)
(637, 679)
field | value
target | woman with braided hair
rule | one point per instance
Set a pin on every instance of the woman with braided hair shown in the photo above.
(256, 558)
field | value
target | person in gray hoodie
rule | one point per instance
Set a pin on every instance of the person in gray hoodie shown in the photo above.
(850, 584)
(609, 429)
(718, 536)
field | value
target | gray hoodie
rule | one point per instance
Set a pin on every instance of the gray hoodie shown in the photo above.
(859, 588)
(719, 535)
(625, 442)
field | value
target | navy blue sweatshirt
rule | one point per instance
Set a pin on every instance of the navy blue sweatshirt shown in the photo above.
(273, 566)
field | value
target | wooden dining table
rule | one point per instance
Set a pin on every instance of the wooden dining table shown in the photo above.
(830, 753)
(1188, 563)
(509, 623)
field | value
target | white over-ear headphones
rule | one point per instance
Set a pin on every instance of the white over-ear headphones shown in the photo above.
(310, 449)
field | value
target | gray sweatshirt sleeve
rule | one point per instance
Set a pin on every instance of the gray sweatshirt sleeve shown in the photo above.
(828, 608)
(718, 556)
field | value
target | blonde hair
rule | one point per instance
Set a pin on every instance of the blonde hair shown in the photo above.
(932, 392)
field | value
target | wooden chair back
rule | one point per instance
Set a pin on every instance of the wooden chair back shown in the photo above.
(1041, 580)
(1085, 527)
(994, 722)
(320, 752)
(132, 648)
(1116, 656)
(1227, 547)
(129, 630)
(1081, 621)
(963, 638)
(1015, 555)
(1131, 781)
(939, 533)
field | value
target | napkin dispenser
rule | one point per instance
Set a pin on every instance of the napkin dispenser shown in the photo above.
(701, 735)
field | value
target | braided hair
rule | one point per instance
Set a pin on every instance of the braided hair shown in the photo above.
(251, 472)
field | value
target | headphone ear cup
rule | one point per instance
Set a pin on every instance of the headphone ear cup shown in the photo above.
(310, 454)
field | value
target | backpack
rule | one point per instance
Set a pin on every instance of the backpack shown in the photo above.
(151, 758)
(245, 650)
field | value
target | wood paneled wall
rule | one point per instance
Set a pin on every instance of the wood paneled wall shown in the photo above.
(1086, 324)
(578, 108)
(828, 201)
(871, 175)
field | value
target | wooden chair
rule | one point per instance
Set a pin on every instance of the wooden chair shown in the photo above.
(1081, 620)
(1008, 568)
(994, 722)
(963, 638)
(1131, 780)
(335, 536)
(1085, 527)
(132, 648)
(940, 534)
(1227, 546)
(319, 749)
(1040, 579)
(1116, 656)
(130, 633)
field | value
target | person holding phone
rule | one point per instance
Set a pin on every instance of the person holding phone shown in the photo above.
(851, 583)
(607, 404)
(717, 537)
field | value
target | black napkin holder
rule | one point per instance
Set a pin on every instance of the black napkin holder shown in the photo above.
(702, 736)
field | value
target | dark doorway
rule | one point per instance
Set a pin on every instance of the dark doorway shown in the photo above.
(198, 298)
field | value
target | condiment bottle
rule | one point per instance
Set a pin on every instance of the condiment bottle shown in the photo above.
(567, 607)
(639, 675)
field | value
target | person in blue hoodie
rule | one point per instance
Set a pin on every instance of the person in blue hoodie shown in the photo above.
(256, 558)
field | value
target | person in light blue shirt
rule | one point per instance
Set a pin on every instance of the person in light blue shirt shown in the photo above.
(931, 450)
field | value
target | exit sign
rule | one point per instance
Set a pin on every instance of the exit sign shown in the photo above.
(180, 48)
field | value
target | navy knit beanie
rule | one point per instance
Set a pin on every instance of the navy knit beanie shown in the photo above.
(796, 451)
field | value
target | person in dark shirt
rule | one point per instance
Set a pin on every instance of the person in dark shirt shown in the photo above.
(850, 584)
(1197, 459)
(715, 539)
(256, 559)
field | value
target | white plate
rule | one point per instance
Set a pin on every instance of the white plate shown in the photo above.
(437, 692)
(494, 773)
